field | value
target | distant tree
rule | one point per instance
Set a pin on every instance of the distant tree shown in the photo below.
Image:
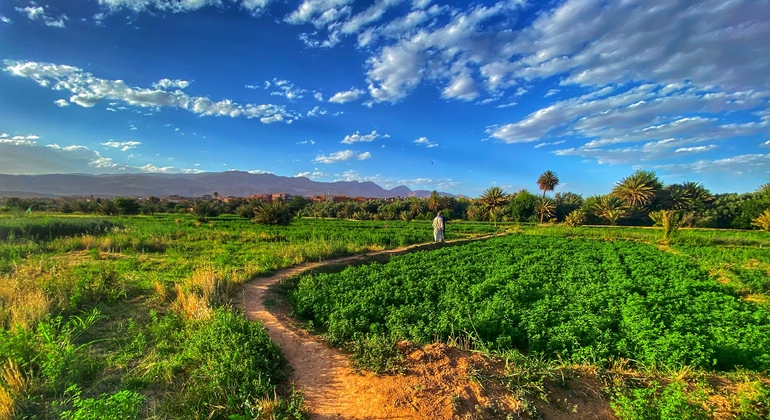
(575, 218)
(547, 181)
(272, 213)
(108, 207)
(669, 220)
(522, 206)
(638, 189)
(566, 203)
(762, 221)
(545, 207)
(83, 207)
(434, 202)
(204, 210)
(245, 210)
(297, 204)
(494, 197)
(610, 208)
(416, 207)
(127, 205)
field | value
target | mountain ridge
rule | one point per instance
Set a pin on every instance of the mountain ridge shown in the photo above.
(231, 183)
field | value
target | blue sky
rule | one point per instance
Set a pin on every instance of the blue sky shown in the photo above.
(452, 96)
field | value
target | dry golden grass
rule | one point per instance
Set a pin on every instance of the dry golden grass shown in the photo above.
(22, 302)
(13, 385)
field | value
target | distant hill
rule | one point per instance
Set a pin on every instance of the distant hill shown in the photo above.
(233, 183)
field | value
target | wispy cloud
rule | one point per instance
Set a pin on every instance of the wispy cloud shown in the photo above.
(346, 96)
(38, 13)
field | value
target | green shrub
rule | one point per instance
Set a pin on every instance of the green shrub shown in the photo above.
(123, 405)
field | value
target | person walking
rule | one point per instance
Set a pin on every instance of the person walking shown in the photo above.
(439, 224)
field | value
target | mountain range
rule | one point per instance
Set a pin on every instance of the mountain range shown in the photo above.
(232, 183)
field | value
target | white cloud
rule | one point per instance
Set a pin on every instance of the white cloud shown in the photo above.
(551, 92)
(549, 143)
(316, 111)
(61, 103)
(767, 143)
(255, 7)
(740, 164)
(168, 83)
(38, 13)
(87, 91)
(311, 175)
(424, 141)
(33, 13)
(341, 156)
(462, 87)
(346, 96)
(318, 96)
(363, 138)
(5, 19)
(122, 145)
(285, 89)
(311, 142)
(695, 149)
(507, 105)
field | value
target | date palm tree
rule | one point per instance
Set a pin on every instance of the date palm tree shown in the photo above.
(638, 189)
(610, 208)
(434, 202)
(547, 181)
(494, 197)
(545, 207)
(763, 221)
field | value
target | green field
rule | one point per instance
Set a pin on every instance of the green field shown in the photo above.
(121, 314)
(134, 317)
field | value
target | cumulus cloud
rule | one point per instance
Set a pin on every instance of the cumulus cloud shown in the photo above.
(88, 90)
(363, 138)
(341, 156)
(346, 96)
(5, 19)
(424, 141)
(61, 103)
(122, 145)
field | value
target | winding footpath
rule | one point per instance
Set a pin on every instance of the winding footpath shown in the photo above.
(332, 389)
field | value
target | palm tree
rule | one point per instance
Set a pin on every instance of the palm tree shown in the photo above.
(575, 218)
(609, 207)
(416, 208)
(547, 181)
(494, 197)
(434, 201)
(763, 221)
(638, 189)
(545, 207)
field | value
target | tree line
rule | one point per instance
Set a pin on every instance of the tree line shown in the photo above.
(639, 199)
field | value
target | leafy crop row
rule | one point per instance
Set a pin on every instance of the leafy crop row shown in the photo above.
(574, 298)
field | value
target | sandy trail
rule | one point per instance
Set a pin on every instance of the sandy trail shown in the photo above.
(332, 389)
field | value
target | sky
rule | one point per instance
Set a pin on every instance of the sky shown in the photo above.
(449, 96)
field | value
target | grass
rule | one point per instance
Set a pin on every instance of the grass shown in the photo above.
(134, 315)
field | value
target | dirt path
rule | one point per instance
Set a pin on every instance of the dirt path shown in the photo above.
(332, 389)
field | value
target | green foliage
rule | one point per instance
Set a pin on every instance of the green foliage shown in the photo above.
(234, 364)
(127, 206)
(376, 353)
(575, 218)
(763, 221)
(576, 299)
(656, 402)
(273, 213)
(50, 228)
(204, 210)
(119, 406)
